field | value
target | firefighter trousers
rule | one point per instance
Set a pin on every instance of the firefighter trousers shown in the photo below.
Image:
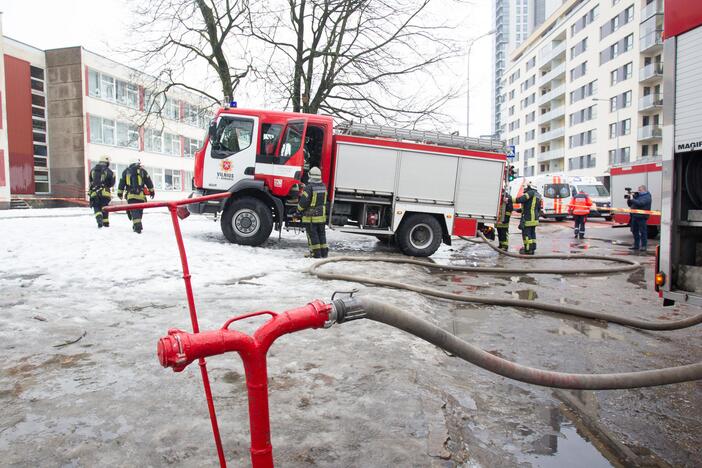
(579, 226)
(135, 216)
(317, 240)
(102, 217)
(503, 237)
(529, 238)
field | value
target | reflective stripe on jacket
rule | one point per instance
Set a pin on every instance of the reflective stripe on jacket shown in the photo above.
(313, 203)
(102, 187)
(580, 205)
(505, 213)
(531, 207)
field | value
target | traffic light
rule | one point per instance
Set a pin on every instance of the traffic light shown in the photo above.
(511, 173)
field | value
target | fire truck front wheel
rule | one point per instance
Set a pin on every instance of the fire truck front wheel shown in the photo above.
(247, 221)
(419, 235)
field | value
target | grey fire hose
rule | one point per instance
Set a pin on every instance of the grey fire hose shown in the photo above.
(629, 265)
(353, 308)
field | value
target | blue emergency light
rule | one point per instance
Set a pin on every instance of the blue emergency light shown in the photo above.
(232, 104)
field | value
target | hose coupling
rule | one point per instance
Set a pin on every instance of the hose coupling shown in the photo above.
(347, 309)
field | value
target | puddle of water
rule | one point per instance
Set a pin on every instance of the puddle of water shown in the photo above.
(526, 294)
(566, 449)
(523, 279)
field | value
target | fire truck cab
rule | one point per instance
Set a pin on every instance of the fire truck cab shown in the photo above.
(379, 183)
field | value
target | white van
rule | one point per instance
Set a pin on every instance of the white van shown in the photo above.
(597, 192)
(555, 191)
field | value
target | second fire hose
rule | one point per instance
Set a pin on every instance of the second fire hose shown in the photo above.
(628, 265)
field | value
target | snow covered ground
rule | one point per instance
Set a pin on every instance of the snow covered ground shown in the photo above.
(354, 395)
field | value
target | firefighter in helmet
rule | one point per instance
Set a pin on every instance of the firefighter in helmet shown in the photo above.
(502, 224)
(312, 206)
(531, 209)
(101, 181)
(134, 185)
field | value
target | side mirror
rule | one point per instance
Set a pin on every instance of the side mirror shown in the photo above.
(212, 131)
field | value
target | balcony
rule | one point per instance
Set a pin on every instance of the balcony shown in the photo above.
(650, 132)
(553, 74)
(650, 73)
(550, 155)
(554, 113)
(653, 8)
(652, 102)
(651, 42)
(552, 135)
(549, 54)
(553, 94)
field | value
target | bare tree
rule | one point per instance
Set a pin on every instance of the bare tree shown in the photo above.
(177, 39)
(356, 59)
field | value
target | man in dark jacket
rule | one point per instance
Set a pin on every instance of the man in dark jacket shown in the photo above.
(101, 181)
(531, 209)
(641, 200)
(134, 185)
(502, 224)
(313, 207)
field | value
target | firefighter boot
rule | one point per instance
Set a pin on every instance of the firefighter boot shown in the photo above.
(98, 218)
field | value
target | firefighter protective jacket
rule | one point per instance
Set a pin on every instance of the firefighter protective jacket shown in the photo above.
(580, 205)
(101, 179)
(531, 207)
(313, 203)
(505, 213)
(134, 179)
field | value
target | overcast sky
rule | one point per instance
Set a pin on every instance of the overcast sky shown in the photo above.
(101, 26)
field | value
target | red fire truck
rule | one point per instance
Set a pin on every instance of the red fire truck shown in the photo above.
(418, 187)
(679, 260)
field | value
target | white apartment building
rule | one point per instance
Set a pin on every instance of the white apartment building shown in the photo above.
(584, 91)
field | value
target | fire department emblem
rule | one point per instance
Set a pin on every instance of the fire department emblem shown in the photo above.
(226, 166)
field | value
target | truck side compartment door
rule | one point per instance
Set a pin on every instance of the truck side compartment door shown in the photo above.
(231, 150)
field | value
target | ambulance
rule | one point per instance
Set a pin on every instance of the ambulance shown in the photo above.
(555, 191)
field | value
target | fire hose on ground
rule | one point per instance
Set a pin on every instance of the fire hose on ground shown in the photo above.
(627, 265)
(179, 348)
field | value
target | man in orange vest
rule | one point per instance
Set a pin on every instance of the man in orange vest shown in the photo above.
(579, 207)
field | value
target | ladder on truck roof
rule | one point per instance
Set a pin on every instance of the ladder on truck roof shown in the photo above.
(421, 136)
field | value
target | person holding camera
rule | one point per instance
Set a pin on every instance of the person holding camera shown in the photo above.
(639, 200)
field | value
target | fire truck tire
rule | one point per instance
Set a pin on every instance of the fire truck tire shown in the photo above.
(247, 221)
(608, 218)
(419, 235)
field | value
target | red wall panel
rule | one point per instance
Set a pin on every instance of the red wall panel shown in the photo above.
(681, 16)
(2, 168)
(19, 125)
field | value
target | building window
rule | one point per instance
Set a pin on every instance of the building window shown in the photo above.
(582, 162)
(530, 117)
(109, 88)
(583, 92)
(578, 71)
(191, 146)
(578, 48)
(581, 139)
(172, 109)
(171, 144)
(127, 94)
(583, 115)
(622, 155)
(528, 136)
(127, 135)
(531, 63)
(102, 130)
(153, 141)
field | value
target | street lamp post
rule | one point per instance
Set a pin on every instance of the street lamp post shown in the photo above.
(616, 127)
(470, 46)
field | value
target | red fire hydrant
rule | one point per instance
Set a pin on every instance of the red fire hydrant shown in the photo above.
(179, 348)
